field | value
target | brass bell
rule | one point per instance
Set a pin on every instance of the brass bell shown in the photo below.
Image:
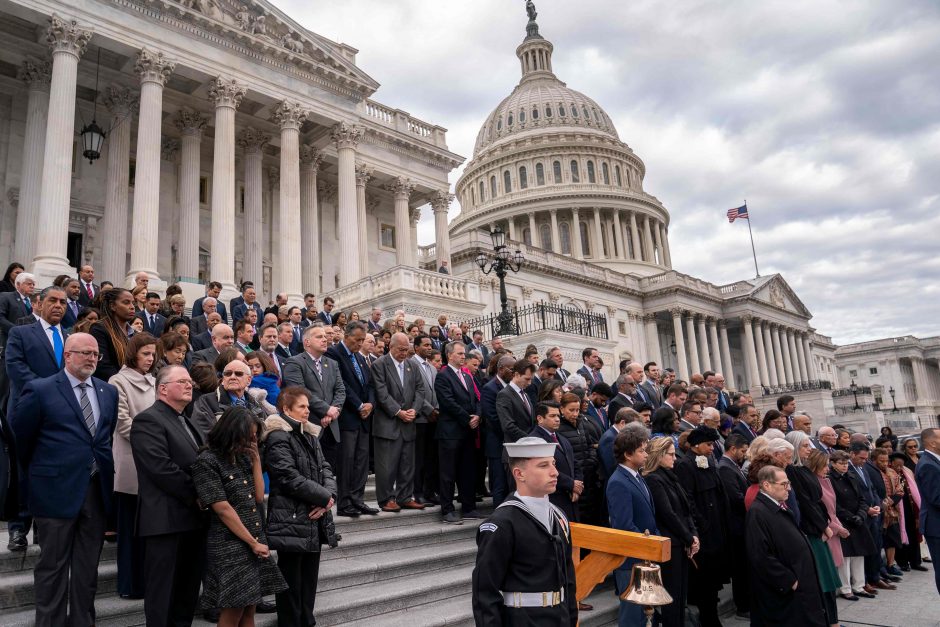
(646, 589)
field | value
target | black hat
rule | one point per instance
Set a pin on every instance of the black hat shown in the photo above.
(701, 434)
(894, 456)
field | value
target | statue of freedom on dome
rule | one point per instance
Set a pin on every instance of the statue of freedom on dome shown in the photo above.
(530, 10)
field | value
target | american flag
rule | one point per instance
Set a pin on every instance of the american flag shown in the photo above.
(737, 212)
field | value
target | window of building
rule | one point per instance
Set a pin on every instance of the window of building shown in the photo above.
(872, 371)
(574, 111)
(482, 189)
(203, 190)
(493, 187)
(605, 170)
(548, 111)
(564, 232)
(535, 113)
(131, 172)
(509, 121)
(556, 172)
(473, 196)
(587, 114)
(522, 116)
(499, 124)
(507, 182)
(241, 199)
(523, 178)
(387, 236)
(590, 168)
(622, 327)
(561, 110)
(853, 373)
(527, 236)
(617, 176)
(585, 240)
(575, 175)
(545, 235)
(539, 174)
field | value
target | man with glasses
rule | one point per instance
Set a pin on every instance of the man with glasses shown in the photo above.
(62, 427)
(691, 416)
(165, 445)
(783, 572)
(232, 391)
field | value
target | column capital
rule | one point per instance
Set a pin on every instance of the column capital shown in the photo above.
(36, 73)
(327, 190)
(648, 317)
(401, 186)
(289, 115)
(120, 101)
(274, 176)
(363, 174)
(722, 323)
(226, 92)
(676, 312)
(252, 141)
(553, 211)
(748, 319)
(169, 148)
(415, 216)
(346, 135)
(66, 36)
(153, 67)
(310, 157)
(440, 201)
(189, 122)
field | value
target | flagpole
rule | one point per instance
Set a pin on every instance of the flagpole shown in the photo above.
(753, 250)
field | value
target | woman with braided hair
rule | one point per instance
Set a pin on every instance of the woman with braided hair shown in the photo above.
(112, 330)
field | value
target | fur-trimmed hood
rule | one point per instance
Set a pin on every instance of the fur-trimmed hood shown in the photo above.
(276, 422)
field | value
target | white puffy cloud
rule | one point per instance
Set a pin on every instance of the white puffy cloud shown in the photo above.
(824, 115)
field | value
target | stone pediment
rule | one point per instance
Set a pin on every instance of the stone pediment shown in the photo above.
(264, 28)
(777, 292)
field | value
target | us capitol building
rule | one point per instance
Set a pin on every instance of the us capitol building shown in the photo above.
(238, 145)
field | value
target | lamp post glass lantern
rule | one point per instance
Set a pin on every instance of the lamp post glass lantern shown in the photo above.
(894, 405)
(854, 389)
(503, 262)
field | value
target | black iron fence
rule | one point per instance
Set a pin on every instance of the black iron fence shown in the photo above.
(543, 316)
(802, 386)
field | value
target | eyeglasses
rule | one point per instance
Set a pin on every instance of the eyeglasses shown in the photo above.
(785, 484)
(233, 373)
(186, 383)
(86, 354)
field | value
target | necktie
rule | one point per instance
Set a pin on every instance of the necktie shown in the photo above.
(861, 474)
(642, 483)
(554, 438)
(525, 401)
(784, 507)
(188, 432)
(91, 293)
(319, 368)
(462, 382)
(277, 364)
(57, 344)
(152, 322)
(401, 373)
(297, 333)
(240, 402)
(74, 306)
(28, 305)
(357, 369)
(89, 415)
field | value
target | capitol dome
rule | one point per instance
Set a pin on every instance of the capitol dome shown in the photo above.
(549, 167)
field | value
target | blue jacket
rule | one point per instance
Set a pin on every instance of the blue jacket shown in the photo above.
(356, 393)
(219, 308)
(595, 414)
(630, 508)
(56, 448)
(29, 356)
(928, 481)
(267, 382)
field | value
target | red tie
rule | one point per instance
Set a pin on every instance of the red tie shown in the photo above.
(784, 507)
(91, 294)
(554, 438)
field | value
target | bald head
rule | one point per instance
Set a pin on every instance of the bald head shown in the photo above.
(930, 438)
(222, 336)
(398, 346)
(802, 422)
(81, 355)
(635, 372)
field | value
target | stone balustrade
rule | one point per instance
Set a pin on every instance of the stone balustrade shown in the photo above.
(403, 122)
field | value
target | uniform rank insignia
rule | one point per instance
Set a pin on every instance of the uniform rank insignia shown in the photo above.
(488, 527)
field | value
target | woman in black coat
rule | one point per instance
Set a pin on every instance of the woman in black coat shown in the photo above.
(6, 284)
(674, 520)
(302, 492)
(852, 512)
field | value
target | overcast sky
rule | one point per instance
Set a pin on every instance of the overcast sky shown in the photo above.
(824, 115)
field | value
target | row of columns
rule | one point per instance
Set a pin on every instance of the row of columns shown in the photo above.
(694, 355)
(775, 354)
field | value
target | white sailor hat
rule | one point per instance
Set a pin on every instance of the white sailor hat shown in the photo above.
(527, 448)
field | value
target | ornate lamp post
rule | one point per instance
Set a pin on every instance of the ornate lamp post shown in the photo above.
(892, 393)
(504, 261)
(854, 389)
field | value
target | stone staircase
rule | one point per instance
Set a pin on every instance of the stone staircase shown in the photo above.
(405, 569)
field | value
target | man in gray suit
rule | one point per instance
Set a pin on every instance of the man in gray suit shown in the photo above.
(319, 374)
(222, 337)
(399, 398)
(426, 476)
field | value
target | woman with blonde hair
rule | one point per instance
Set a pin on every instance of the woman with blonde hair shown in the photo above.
(674, 520)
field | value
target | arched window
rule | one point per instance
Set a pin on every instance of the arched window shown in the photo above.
(523, 178)
(493, 187)
(591, 177)
(473, 196)
(561, 110)
(585, 240)
(499, 124)
(482, 188)
(574, 111)
(575, 175)
(535, 113)
(539, 174)
(527, 236)
(564, 232)
(605, 169)
(507, 182)
(509, 121)
(587, 114)
(521, 116)
(548, 111)
(617, 176)
(545, 235)
(556, 172)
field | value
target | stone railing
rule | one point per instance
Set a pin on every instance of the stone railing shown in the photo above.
(796, 388)
(553, 189)
(403, 122)
(421, 282)
(427, 253)
(677, 279)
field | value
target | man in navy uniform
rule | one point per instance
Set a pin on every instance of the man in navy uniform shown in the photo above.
(514, 582)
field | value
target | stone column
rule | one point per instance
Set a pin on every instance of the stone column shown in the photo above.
(659, 246)
(665, 243)
(702, 336)
(919, 369)
(727, 367)
(252, 143)
(226, 94)
(648, 240)
(289, 116)
(274, 223)
(784, 374)
(681, 356)
(402, 188)
(310, 160)
(652, 338)
(801, 352)
(556, 238)
(534, 231)
(576, 249)
(774, 364)
(440, 203)
(635, 237)
(715, 362)
(153, 70)
(810, 360)
(618, 236)
(346, 137)
(750, 353)
(363, 176)
(190, 125)
(511, 226)
(794, 357)
(694, 363)
(598, 235)
(763, 368)
(415, 218)
(36, 75)
(68, 43)
(120, 103)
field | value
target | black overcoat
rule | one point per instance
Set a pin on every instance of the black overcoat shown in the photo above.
(852, 512)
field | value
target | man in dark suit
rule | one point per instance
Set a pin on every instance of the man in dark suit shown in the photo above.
(427, 475)
(153, 320)
(736, 485)
(476, 344)
(72, 307)
(558, 357)
(16, 304)
(605, 447)
(514, 408)
(249, 296)
(319, 374)
(456, 428)
(570, 481)
(374, 322)
(858, 458)
(238, 300)
(165, 445)
(782, 567)
(213, 289)
(355, 422)
(280, 300)
(630, 505)
(492, 430)
(287, 346)
(222, 337)
(400, 397)
(34, 351)
(326, 314)
(545, 372)
(928, 481)
(649, 389)
(62, 427)
(199, 323)
(597, 407)
(589, 358)
(625, 389)
(203, 340)
(267, 343)
(88, 289)
(298, 323)
(748, 424)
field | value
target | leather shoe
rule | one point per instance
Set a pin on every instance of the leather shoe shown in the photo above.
(894, 570)
(922, 569)
(431, 500)
(365, 509)
(412, 504)
(884, 585)
(473, 515)
(893, 578)
(18, 541)
(452, 518)
(862, 593)
(849, 597)
(348, 511)
(585, 607)
(391, 506)
(265, 607)
(870, 589)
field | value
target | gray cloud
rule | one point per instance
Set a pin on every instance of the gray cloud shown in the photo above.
(823, 114)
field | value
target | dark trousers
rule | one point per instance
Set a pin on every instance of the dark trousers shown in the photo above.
(933, 545)
(740, 586)
(394, 470)
(456, 459)
(130, 547)
(499, 483)
(295, 605)
(675, 574)
(173, 565)
(909, 554)
(332, 452)
(354, 467)
(66, 575)
(873, 560)
(427, 475)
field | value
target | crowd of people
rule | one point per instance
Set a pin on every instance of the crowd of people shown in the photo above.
(127, 420)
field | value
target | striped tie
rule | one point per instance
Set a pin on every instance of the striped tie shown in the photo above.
(89, 415)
